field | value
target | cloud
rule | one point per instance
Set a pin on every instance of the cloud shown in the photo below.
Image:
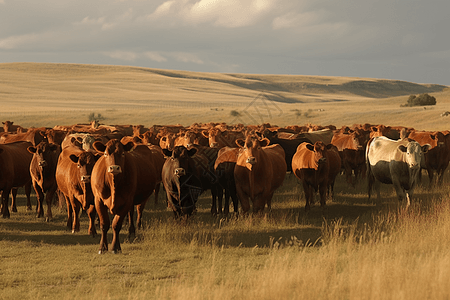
(14, 42)
(155, 56)
(122, 55)
(220, 13)
(186, 57)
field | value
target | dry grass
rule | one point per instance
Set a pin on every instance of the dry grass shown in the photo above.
(354, 250)
(62, 94)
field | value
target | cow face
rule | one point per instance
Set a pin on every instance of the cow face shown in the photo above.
(190, 138)
(43, 153)
(213, 135)
(181, 161)
(167, 141)
(85, 163)
(250, 149)
(114, 154)
(413, 153)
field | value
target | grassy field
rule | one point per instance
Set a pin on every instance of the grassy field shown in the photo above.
(63, 94)
(353, 250)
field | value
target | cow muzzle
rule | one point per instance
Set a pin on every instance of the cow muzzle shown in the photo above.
(86, 178)
(414, 166)
(251, 160)
(115, 169)
(214, 145)
(180, 172)
(42, 164)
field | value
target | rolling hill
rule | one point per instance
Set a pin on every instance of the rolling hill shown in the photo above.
(44, 94)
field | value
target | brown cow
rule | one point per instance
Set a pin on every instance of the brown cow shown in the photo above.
(259, 171)
(15, 172)
(73, 176)
(33, 135)
(351, 146)
(124, 176)
(316, 166)
(438, 156)
(222, 138)
(42, 170)
(9, 127)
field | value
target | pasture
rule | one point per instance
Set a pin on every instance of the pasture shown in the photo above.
(353, 250)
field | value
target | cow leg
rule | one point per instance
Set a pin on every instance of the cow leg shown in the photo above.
(219, 192)
(91, 213)
(5, 200)
(49, 199)
(117, 226)
(13, 199)
(323, 195)
(157, 188)
(233, 195)
(309, 191)
(69, 213)
(27, 194)
(102, 212)
(140, 212)
(245, 204)
(76, 217)
(213, 201)
(226, 207)
(40, 198)
(131, 228)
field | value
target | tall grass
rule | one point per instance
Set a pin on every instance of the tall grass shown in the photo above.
(354, 250)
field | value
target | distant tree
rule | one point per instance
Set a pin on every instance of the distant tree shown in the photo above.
(235, 113)
(422, 99)
(93, 116)
(297, 112)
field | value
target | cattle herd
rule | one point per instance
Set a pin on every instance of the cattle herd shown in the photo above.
(108, 170)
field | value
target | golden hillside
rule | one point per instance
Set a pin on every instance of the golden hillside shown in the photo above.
(43, 94)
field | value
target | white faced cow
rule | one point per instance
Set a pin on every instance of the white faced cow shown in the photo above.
(394, 162)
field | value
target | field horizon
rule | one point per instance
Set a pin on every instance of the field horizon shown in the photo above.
(49, 94)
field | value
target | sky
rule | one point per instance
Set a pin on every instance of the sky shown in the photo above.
(392, 39)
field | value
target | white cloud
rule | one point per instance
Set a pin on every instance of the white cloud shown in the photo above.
(221, 13)
(296, 20)
(14, 42)
(155, 56)
(122, 55)
(186, 57)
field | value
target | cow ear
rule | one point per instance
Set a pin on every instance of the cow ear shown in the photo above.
(128, 146)
(167, 152)
(329, 146)
(240, 143)
(31, 149)
(425, 148)
(264, 142)
(73, 158)
(78, 138)
(205, 133)
(259, 134)
(164, 138)
(402, 148)
(310, 146)
(77, 144)
(192, 151)
(99, 146)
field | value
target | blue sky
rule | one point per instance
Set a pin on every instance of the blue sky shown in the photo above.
(404, 39)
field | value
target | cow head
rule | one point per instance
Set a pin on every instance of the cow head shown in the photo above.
(213, 136)
(250, 149)
(413, 153)
(45, 154)
(181, 160)
(190, 138)
(167, 141)
(85, 163)
(7, 126)
(114, 154)
(181, 182)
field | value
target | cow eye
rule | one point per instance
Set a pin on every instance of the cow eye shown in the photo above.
(105, 154)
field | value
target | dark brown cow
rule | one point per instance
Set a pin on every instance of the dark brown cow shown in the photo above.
(317, 167)
(438, 156)
(224, 167)
(259, 171)
(186, 174)
(351, 146)
(14, 172)
(124, 176)
(73, 176)
(42, 170)
(33, 135)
